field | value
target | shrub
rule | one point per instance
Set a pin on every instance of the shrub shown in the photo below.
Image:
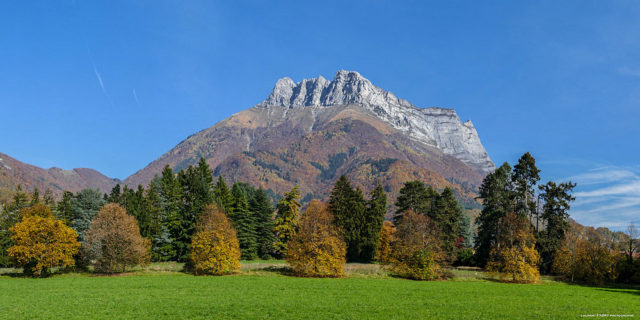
(42, 242)
(416, 253)
(113, 241)
(318, 248)
(214, 249)
(385, 241)
(514, 255)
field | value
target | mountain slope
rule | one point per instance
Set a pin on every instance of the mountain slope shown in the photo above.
(14, 173)
(309, 133)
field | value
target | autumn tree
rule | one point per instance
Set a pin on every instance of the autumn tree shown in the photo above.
(385, 242)
(114, 242)
(585, 257)
(42, 242)
(514, 256)
(214, 249)
(633, 241)
(317, 249)
(416, 252)
(286, 222)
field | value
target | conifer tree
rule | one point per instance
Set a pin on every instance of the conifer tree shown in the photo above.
(525, 177)
(263, 211)
(114, 196)
(10, 215)
(244, 222)
(557, 199)
(172, 207)
(497, 197)
(223, 196)
(85, 206)
(417, 197)
(64, 210)
(286, 222)
(447, 217)
(35, 196)
(348, 207)
(374, 218)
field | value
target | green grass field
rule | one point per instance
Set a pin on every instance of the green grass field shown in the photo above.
(262, 291)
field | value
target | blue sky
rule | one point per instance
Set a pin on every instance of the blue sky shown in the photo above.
(114, 85)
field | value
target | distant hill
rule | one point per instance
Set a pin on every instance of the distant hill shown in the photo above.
(14, 173)
(309, 133)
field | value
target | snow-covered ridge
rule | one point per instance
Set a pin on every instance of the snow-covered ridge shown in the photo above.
(438, 127)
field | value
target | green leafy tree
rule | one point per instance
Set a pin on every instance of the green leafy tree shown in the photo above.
(286, 222)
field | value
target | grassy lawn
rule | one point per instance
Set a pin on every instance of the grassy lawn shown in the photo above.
(261, 291)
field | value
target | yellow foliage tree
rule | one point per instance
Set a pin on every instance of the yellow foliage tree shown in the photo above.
(585, 257)
(416, 253)
(42, 242)
(318, 248)
(514, 256)
(385, 241)
(214, 248)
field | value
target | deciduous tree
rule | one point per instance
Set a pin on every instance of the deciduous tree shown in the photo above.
(215, 249)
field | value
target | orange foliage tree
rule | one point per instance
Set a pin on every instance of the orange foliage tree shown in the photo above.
(42, 242)
(416, 252)
(318, 248)
(113, 242)
(385, 241)
(514, 255)
(214, 248)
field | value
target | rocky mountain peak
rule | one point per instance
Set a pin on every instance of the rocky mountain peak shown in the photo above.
(438, 127)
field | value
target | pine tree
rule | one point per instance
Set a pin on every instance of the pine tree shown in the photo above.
(263, 212)
(374, 218)
(64, 210)
(245, 223)
(557, 199)
(417, 197)
(10, 215)
(286, 222)
(447, 217)
(35, 196)
(348, 207)
(525, 177)
(497, 197)
(223, 196)
(171, 194)
(114, 196)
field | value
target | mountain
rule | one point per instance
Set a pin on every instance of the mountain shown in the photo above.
(14, 173)
(309, 133)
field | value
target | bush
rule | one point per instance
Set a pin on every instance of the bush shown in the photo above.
(113, 241)
(416, 253)
(42, 242)
(318, 249)
(214, 249)
(514, 256)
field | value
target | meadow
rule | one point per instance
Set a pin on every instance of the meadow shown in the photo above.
(264, 290)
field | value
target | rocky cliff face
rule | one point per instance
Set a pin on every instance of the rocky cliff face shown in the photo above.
(438, 127)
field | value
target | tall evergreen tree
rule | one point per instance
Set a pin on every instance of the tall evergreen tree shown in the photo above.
(9, 216)
(374, 218)
(286, 222)
(415, 196)
(172, 208)
(64, 211)
(497, 197)
(35, 196)
(263, 211)
(223, 196)
(557, 199)
(244, 222)
(447, 215)
(85, 206)
(348, 207)
(525, 177)
(114, 196)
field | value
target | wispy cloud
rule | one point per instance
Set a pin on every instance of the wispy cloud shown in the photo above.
(135, 97)
(99, 77)
(607, 196)
(629, 71)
